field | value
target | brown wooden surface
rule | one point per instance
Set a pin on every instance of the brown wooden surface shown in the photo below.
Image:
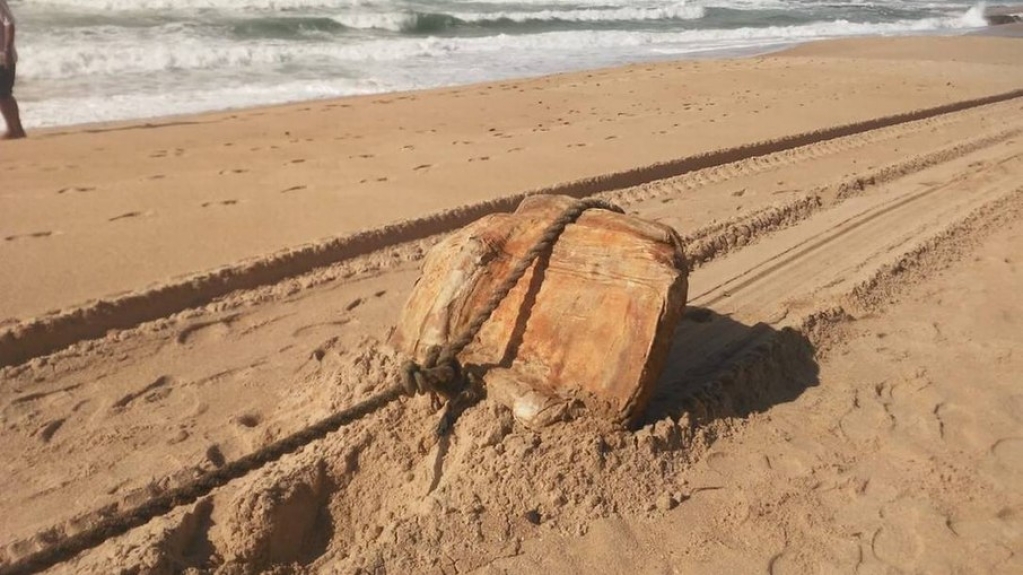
(591, 322)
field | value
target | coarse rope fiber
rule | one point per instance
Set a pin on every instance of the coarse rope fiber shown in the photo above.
(439, 374)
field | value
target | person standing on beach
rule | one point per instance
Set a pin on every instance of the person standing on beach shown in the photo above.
(8, 63)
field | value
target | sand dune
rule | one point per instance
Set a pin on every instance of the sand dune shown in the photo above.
(841, 396)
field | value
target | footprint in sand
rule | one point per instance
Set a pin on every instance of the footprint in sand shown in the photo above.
(155, 391)
(297, 161)
(422, 167)
(330, 326)
(206, 331)
(215, 456)
(47, 432)
(480, 159)
(28, 236)
(130, 215)
(220, 203)
(177, 437)
(232, 171)
(249, 420)
(293, 189)
(1009, 452)
(76, 189)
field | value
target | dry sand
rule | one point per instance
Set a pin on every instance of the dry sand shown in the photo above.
(843, 395)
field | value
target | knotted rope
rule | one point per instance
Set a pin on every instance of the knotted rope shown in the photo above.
(439, 374)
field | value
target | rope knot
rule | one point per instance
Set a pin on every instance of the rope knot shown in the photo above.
(439, 374)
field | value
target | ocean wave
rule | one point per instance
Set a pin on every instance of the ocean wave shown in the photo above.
(218, 5)
(150, 52)
(425, 22)
(334, 5)
(285, 28)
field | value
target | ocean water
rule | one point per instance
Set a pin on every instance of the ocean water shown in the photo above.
(97, 60)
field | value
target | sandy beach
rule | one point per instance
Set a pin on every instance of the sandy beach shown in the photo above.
(843, 395)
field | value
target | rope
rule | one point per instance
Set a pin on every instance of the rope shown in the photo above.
(439, 374)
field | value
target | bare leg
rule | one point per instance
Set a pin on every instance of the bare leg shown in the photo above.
(9, 110)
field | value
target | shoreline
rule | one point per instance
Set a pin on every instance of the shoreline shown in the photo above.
(149, 122)
(723, 54)
(1008, 29)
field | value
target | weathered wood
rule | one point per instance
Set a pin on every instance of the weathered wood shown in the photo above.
(591, 324)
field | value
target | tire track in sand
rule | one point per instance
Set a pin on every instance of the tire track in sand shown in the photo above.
(40, 336)
(811, 277)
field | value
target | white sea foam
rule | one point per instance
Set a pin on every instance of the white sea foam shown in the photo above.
(974, 17)
(394, 21)
(679, 11)
(226, 5)
(92, 69)
(64, 111)
(170, 48)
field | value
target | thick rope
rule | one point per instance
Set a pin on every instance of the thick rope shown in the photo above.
(440, 374)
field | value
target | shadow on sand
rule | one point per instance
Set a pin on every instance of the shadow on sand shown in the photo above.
(720, 368)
